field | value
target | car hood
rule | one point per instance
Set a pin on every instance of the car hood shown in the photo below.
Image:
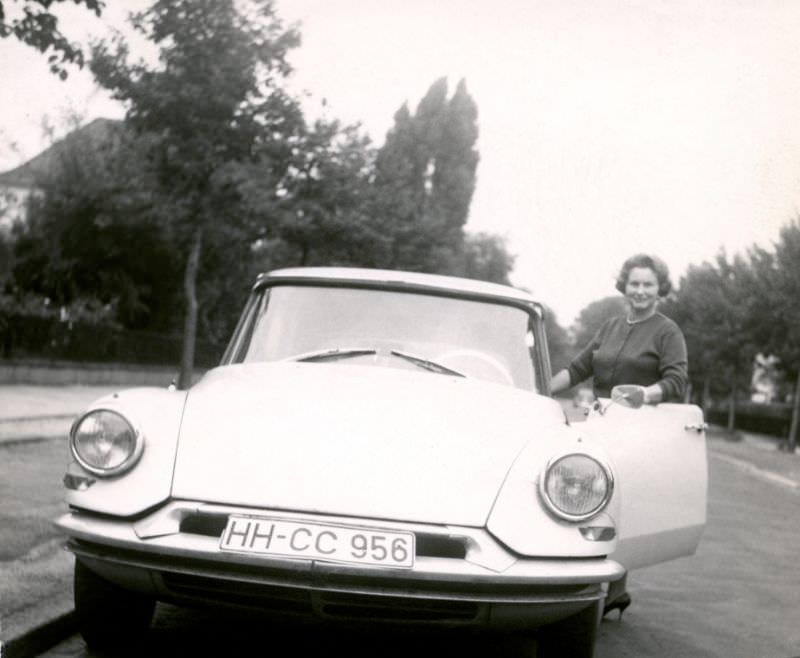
(354, 440)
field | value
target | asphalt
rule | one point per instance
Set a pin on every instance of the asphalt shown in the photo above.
(30, 413)
(45, 614)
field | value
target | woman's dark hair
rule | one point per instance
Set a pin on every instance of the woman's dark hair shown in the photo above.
(651, 262)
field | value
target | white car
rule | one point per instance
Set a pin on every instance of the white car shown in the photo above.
(378, 447)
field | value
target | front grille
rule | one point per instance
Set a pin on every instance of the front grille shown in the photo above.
(352, 606)
(333, 605)
(265, 597)
(427, 544)
(208, 525)
(430, 545)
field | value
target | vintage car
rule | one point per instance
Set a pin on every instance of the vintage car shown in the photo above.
(378, 447)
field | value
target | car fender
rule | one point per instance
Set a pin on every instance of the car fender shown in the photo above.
(156, 414)
(522, 521)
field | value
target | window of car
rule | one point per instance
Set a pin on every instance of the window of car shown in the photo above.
(477, 338)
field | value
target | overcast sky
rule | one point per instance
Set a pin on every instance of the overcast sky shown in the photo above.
(606, 127)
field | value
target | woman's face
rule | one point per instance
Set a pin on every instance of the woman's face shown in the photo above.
(641, 290)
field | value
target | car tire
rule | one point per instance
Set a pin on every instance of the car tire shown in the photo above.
(109, 616)
(574, 636)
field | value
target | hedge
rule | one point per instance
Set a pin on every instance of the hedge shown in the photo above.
(49, 338)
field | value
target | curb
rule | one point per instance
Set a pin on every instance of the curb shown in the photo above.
(20, 429)
(42, 637)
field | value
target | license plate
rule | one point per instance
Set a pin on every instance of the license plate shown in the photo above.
(318, 541)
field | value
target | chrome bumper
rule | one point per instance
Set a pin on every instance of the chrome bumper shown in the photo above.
(173, 554)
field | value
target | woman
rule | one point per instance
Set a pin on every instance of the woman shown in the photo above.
(641, 347)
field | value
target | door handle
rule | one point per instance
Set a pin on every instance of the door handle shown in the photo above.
(697, 427)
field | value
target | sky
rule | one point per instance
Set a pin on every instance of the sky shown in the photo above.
(607, 127)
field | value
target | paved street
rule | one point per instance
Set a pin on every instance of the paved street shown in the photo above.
(738, 597)
(35, 411)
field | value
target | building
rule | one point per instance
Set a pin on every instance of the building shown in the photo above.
(18, 184)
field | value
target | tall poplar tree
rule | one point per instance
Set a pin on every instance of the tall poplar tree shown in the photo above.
(425, 177)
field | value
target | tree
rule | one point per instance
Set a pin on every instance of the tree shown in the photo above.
(38, 27)
(714, 309)
(87, 235)
(325, 203)
(782, 292)
(483, 256)
(214, 114)
(425, 177)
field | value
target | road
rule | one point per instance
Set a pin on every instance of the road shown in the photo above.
(738, 597)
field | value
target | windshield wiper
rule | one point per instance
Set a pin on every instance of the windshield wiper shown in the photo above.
(427, 364)
(332, 354)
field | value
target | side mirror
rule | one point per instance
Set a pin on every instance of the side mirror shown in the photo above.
(628, 395)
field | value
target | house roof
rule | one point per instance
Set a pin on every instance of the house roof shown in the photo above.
(29, 173)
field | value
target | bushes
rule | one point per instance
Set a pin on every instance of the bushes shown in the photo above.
(773, 419)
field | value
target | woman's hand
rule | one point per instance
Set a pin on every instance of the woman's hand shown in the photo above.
(637, 396)
(653, 394)
(560, 381)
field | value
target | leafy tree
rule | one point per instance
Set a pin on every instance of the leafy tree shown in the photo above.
(38, 27)
(483, 256)
(781, 274)
(84, 238)
(325, 204)
(214, 114)
(714, 310)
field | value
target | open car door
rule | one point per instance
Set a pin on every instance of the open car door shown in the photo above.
(659, 461)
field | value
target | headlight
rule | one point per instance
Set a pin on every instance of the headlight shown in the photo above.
(576, 487)
(105, 443)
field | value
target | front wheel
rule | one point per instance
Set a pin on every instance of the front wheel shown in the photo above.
(574, 636)
(108, 615)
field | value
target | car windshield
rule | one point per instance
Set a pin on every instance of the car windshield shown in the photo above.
(446, 335)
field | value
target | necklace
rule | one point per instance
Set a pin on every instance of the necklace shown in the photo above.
(629, 321)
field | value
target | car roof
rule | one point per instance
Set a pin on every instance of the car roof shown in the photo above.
(397, 279)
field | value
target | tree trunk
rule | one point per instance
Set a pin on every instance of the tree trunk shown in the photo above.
(732, 404)
(190, 319)
(792, 444)
(706, 399)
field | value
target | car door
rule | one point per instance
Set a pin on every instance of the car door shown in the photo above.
(659, 461)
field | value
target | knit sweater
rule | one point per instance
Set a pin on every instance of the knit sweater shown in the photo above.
(652, 351)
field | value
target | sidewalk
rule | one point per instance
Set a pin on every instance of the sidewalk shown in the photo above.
(37, 584)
